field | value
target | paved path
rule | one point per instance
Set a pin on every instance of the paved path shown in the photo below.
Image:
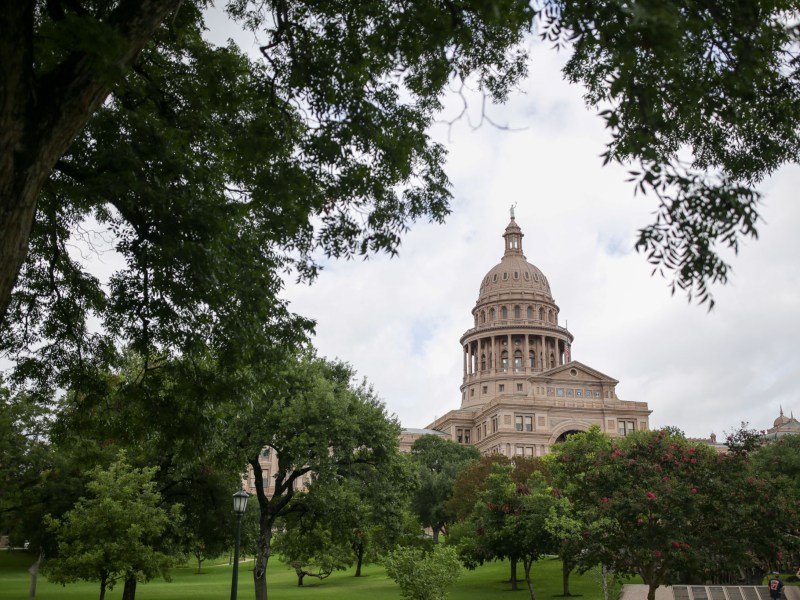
(702, 592)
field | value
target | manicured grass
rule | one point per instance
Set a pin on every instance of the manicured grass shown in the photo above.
(489, 581)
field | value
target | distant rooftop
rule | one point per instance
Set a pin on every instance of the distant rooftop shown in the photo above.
(415, 431)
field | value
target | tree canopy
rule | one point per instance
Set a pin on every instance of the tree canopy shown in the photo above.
(439, 462)
(321, 426)
(110, 534)
(656, 505)
(212, 173)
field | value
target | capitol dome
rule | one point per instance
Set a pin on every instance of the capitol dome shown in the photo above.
(514, 274)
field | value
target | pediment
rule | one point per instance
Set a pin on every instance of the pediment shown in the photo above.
(575, 371)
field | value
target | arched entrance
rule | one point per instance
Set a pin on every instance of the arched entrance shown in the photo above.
(564, 435)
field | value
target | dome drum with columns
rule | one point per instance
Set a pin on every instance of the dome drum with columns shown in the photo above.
(521, 391)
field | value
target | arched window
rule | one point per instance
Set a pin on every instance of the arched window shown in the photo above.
(550, 316)
(493, 314)
(541, 314)
(518, 359)
(504, 313)
(483, 317)
(504, 360)
(483, 362)
(552, 360)
(530, 312)
(517, 312)
(531, 360)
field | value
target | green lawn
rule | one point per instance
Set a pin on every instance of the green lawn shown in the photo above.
(489, 581)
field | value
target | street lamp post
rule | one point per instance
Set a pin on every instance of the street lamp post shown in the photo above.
(239, 506)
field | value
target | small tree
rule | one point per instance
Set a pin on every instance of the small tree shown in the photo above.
(323, 426)
(566, 527)
(652, 504)
(312, 551)
(439, 461)
(509, 521)
(109, 534)
(424, 575)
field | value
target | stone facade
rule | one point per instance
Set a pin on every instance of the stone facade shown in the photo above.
(521, 390)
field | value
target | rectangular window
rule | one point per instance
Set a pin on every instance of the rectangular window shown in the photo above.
(520, 450)
(484, 430)
(550, 391)
(494, 424)
(486, 389)
(466, 436)
(626, 427)
(518, 423)
(528, 423)
(501, 387)
(579, 393)
(560, 392)
(460, 435)
(569, 393)
(519, 387)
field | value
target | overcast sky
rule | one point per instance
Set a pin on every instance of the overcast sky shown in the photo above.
(399, 320)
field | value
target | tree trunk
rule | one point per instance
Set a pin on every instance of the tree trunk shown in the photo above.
(34, 571)
(262, 558)
(129, 591)
(17, 210)
(651, 591)
(103, 580)
(527, 563)
(436, 530)
(300, 575)
(359, 558)
(514, 586)
(41, 114)
(566, 569)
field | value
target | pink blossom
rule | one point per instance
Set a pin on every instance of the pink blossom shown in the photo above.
(651, 496)
(657, 553)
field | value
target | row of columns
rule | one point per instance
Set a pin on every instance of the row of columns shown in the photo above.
(545, 348)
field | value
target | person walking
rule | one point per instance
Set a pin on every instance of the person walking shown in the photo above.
(775, 586)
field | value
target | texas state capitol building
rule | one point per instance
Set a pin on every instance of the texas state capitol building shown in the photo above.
(521, 391)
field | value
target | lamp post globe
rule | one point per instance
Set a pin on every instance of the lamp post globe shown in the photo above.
(239, 506)
(240, 502)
